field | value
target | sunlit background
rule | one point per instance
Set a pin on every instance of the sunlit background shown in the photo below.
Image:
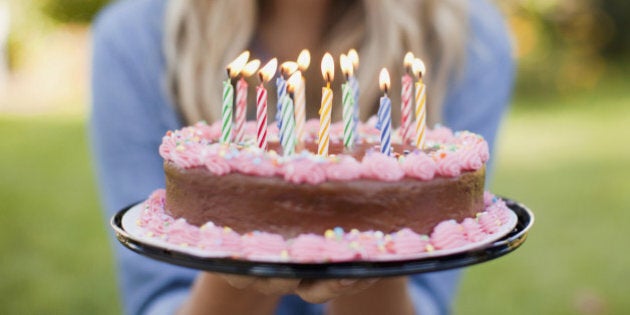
(562, 151)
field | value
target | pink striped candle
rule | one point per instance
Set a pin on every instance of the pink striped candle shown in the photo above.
(265, 74)
(241, 108)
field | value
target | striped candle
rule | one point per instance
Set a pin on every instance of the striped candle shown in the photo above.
(385, 124)
(421, 117)
(261, 116)
(300, 109)
(241, 109)
(226, 111)
(405, 109)
(348, 115)
(288, 127)
(324, 121)
(354, 86)
(281, 87)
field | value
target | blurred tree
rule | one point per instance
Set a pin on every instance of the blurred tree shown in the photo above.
(619, 13)
(72, 11)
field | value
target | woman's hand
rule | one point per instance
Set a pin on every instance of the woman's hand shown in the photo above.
(312, 291)
(215, 293)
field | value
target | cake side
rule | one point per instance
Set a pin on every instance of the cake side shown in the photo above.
(270, 204)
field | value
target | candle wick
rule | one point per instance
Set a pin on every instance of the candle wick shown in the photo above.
(327, 84)
(260, 77)
(229, 72)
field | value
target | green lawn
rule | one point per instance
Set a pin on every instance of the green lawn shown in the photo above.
(566, 158)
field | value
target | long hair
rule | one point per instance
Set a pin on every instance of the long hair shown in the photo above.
(198, 46)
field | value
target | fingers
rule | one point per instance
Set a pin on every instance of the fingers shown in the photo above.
(267, 286)
(320, 291)
(239, 282)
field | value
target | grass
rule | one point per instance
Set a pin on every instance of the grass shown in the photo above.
(564, 157)
(569, 163)
(56, 257)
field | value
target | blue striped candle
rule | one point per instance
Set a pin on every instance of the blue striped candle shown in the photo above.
(384, 124)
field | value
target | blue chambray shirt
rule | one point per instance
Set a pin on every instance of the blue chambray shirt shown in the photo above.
(131, 112)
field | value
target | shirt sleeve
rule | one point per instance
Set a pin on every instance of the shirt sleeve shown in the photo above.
(128, 119)
(476, 102)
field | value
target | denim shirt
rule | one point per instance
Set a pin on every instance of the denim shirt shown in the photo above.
(132, 111)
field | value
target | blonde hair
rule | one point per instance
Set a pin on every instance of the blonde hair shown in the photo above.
(197, 47)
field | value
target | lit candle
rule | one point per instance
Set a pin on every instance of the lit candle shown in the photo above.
(241, 99)
(264, 75)
(354, 85)
(421, 99)
(385, 113)
(405, 106)
(233, 69)
(286, 69)
(303, 61)
(288, 115)
(348, 103)
(323, 139)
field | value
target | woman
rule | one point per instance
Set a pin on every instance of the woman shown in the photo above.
(158, 65)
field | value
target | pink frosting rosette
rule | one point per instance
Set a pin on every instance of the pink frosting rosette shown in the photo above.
(182, 233)
(489, 222)
(448, 164)
(376, 165)
(345, 168)
(369, 246)
(440, 134)
(469, 158)
(408, 243)
(307, 248)
(473, 230)
(304, 170)
(262, 245)
(419, 165)
(216, 164)
(448, 234)
(338, 251)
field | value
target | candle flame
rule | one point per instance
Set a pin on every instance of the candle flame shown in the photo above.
(354, 57)
(418, 67)
(383, 80)
(250, 68)
(288, 68)
(304, 59)
(294, 80)
(265, 73)
(346, 65)
(408, 60)
(235, 67)
(328, 68)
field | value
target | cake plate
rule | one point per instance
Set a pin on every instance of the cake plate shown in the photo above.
(352, 269)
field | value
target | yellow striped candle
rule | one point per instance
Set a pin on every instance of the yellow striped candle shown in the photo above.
(420, 100)
(328, 70)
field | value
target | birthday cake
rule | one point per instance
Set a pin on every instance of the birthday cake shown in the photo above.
(352, 204)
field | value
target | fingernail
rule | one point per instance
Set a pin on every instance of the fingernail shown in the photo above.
(347, 282)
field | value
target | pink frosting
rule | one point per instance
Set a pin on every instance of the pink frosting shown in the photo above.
(448, 234)
(488, 198)
(419, 165)
(473, 230)
(182, 233)
(489, 222)
(308, 248)
(407, 242)
(217, 164)
(304, 170)
(262, 245)
(339, 251)
(470, 159)
(448, 163)
(440, 134)
(377, 165)
(345, 168)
